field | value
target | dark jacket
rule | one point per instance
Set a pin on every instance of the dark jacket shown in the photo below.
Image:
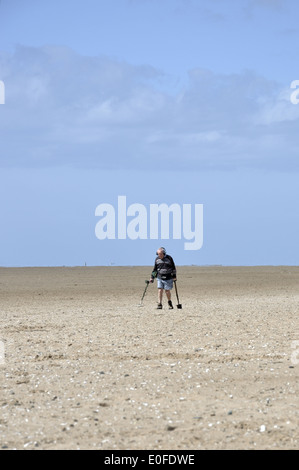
(164, 268)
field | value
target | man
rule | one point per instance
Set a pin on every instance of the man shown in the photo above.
(165, 272)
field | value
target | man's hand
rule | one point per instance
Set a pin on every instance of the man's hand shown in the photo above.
(151, 281)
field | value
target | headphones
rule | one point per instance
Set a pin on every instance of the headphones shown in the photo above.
(163, 251)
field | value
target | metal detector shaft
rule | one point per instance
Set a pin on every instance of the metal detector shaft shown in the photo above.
(179, 306)
(147, 284)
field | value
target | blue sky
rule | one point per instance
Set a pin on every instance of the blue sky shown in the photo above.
(173, 101)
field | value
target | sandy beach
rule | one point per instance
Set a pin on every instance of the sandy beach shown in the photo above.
(84, 367)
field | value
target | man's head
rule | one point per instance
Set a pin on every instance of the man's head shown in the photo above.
(161, 252)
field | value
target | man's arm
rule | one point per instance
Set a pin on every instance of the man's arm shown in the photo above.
(154, 272)
(173, 274)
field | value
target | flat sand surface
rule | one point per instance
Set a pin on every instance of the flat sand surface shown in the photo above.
(84, 367)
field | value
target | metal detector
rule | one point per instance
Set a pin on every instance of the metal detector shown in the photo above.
(147, 284)
(179, 306)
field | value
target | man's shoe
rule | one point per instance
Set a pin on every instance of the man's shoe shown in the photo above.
(170, 305)
(160, 306)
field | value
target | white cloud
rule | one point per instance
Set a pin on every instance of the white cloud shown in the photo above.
(278, 110)
(63, 108)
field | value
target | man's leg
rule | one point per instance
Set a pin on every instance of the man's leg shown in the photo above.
(168, 295)
(160, 296)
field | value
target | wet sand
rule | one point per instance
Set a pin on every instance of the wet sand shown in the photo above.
(85, 367)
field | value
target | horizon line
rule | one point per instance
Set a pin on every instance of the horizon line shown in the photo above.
(145, 266)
